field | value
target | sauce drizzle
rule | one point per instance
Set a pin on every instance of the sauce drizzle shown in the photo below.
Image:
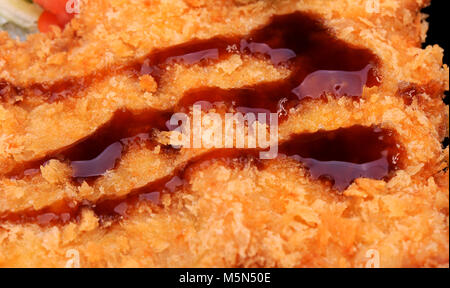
(321, 66)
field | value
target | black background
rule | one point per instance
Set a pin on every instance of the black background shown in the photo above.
(438, 20)
(437, 34)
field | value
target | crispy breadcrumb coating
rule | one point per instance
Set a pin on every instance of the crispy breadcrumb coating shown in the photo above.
(227, 215)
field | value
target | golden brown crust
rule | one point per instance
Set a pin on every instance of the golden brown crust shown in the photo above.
(228, 216)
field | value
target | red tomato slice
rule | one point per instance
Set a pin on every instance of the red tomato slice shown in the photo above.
(46, 20)
(58, 9)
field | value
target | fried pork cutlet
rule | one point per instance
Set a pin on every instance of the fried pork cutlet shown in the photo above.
(88, 178)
